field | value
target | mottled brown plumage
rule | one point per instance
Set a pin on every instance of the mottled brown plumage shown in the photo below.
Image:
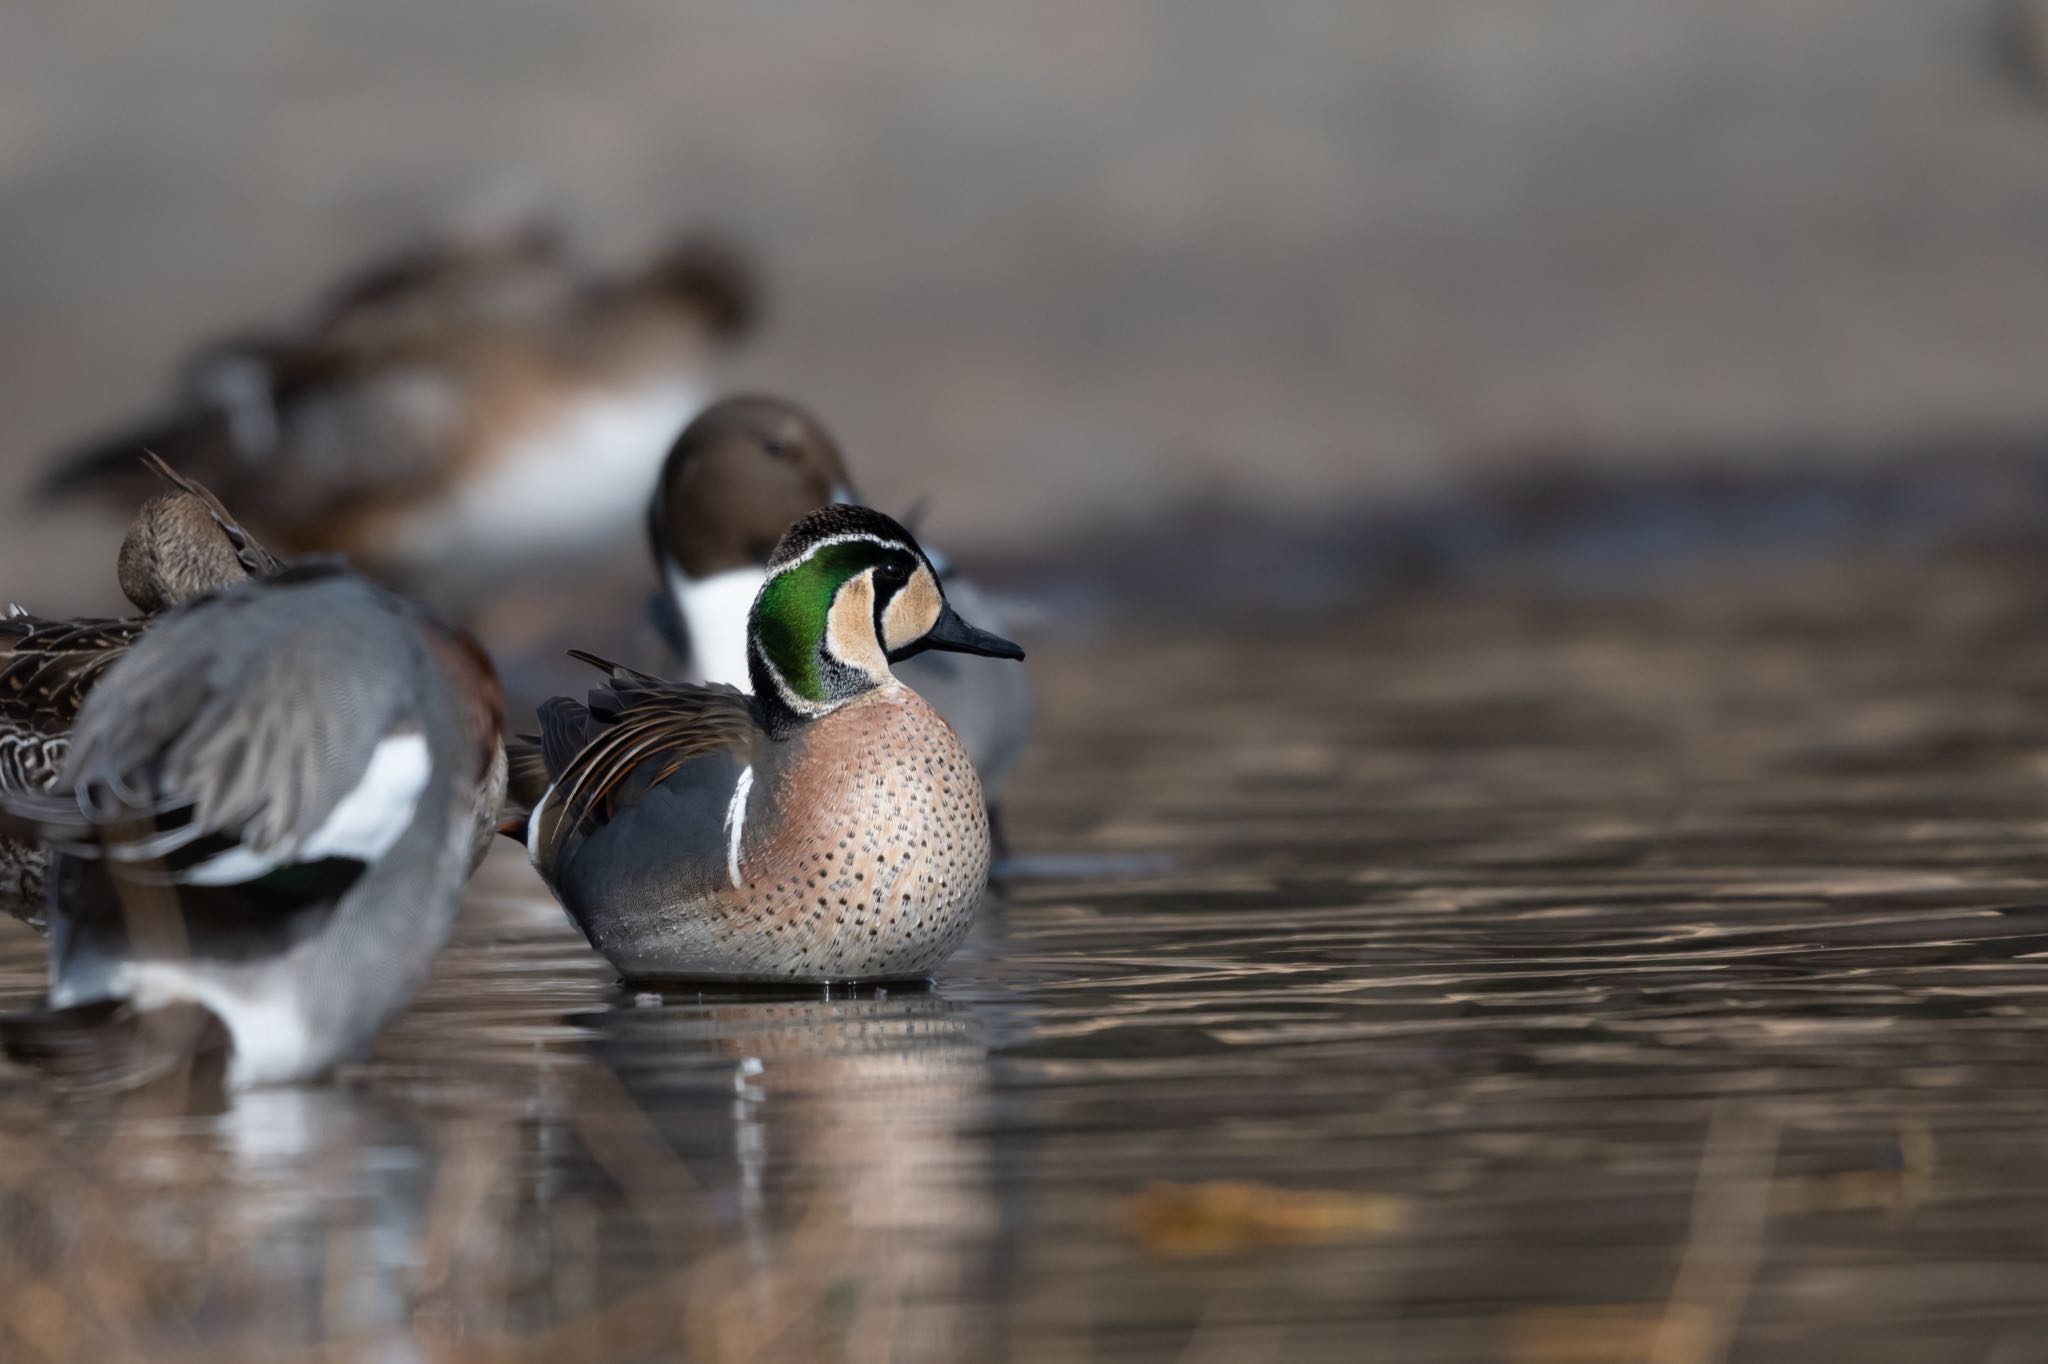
(46, 669)
(863, 849)
(47, 666)
(182, 546)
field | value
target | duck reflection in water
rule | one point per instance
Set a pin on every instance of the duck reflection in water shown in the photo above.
(841, 1138)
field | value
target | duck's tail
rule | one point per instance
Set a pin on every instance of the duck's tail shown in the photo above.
(526, 781)
(533, 761)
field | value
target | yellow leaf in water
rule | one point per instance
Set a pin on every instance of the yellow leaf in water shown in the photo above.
(1593, 1335)
(1222, 1216)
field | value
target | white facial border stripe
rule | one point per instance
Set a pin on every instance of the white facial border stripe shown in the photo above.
(781, 566)
(799, 704)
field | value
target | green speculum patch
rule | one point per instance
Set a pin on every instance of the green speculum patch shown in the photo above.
(790, 616)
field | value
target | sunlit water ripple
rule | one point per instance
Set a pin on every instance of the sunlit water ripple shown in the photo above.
(1672, 964)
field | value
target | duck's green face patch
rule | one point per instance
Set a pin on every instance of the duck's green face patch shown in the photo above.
(793, 612)
(847, 593)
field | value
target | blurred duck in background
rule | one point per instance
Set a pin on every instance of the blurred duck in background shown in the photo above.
(455, 418)
(827, 828)
(261, 832)
(735, 479)
(182, 546)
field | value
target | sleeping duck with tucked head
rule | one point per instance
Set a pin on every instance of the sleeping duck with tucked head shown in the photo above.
(828, 828)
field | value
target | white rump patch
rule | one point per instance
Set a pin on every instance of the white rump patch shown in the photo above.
(735, 824)
(715, 610)
(362, 826)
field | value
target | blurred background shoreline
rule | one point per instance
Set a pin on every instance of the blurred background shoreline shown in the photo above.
(1095, 265)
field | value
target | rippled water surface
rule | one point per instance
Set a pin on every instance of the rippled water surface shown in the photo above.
(1468, 975)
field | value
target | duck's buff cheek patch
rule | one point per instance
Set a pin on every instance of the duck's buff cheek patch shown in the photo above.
(912, 612)
(850, 630)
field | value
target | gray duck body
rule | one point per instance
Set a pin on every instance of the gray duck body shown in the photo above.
(301, 758)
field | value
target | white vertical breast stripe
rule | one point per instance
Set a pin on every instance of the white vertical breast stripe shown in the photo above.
(735, 824)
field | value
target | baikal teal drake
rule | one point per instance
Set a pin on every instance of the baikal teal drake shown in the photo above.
(828, 828)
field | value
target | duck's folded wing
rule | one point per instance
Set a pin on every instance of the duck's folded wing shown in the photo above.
(48, 666)
(183, 771)
(46, 669)
(645, 735)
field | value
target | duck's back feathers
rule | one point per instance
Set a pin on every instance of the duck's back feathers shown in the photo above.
(239, 740)
(526, 784)
(564, 729)
(638, 735)
(46, 669)
(48, 666)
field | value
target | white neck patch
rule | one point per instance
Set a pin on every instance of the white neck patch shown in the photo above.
(714, 611)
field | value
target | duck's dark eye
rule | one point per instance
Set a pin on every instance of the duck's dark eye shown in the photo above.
(778, 448)
(894, 571)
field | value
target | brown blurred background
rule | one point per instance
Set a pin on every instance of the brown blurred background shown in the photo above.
(1095, 259)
